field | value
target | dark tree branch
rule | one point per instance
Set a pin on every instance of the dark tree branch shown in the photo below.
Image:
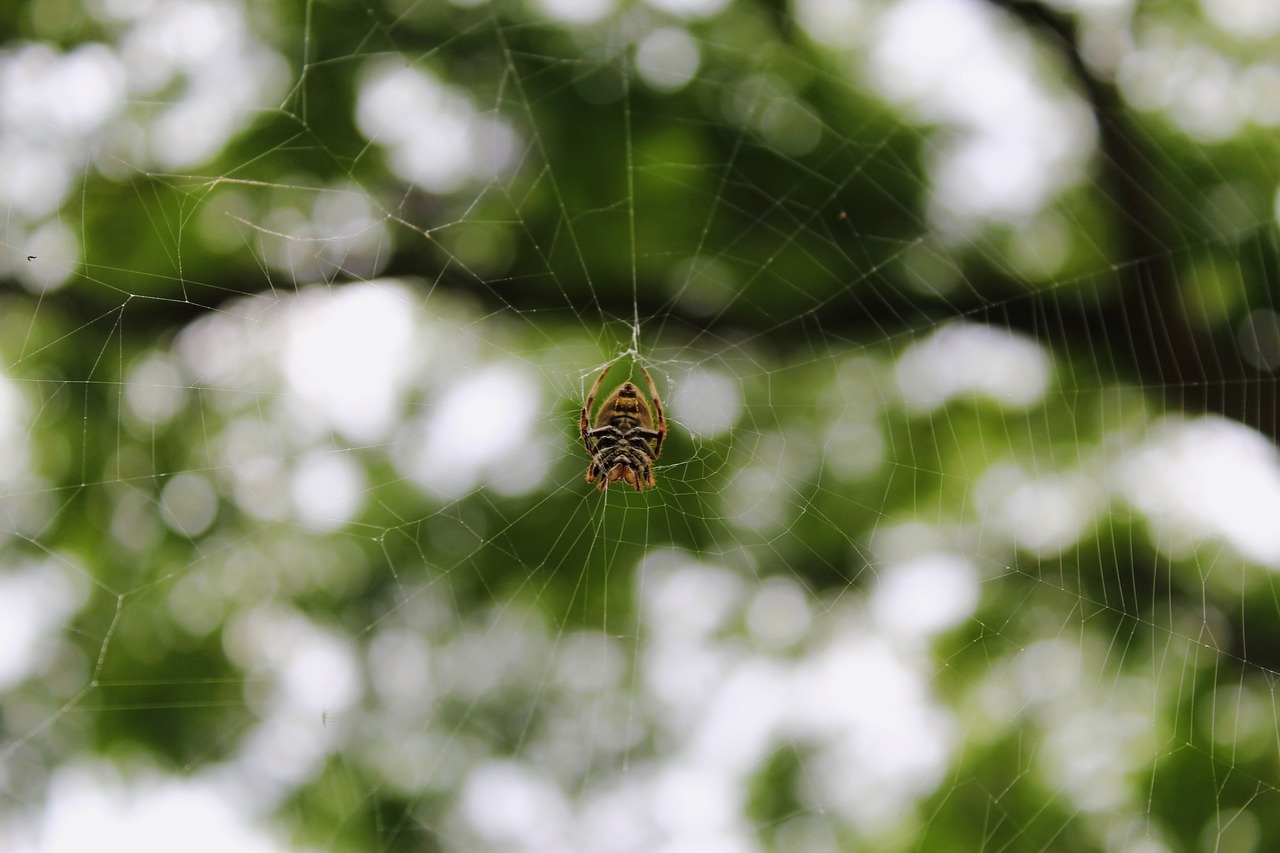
(1194, 371)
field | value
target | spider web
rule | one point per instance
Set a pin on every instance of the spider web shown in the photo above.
(963, 534)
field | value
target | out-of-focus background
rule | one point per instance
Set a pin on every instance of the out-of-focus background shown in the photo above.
(965, 316)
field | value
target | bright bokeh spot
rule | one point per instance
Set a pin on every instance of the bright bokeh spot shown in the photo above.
(51, 107)
(709, 402)
(347, 357)
(93, 807)
(689, 8)
(434, 135)
(667, 59)
(514, 806)
(1043, 515)
(963, 360)
(925, 595)
(36, 600)
(225, 74)
(188, 504)
(154, 390)
(857, 705)
(780, 613)
(303, 674)
(837, 23)
(1016, 142)
(1207, 477)
(575, 12)
(480, 430)
(328, 491)
(1250, 20)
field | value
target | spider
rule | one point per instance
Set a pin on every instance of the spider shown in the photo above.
(625, 440)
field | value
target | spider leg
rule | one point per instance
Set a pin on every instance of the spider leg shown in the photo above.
(585, 424)
(661, 424)
(585, 438)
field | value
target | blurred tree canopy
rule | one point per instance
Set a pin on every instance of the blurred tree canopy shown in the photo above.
(964, 317)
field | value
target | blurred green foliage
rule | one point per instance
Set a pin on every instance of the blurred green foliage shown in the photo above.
(818, 258)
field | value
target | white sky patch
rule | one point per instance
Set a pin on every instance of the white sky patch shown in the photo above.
(300, 674)
(667, 59)
(515, 807)
(1047, 673)
(230, 350)
(56, 252)
(1196, 479)
(98, 104)
(188, 504)
(434, 135)
(35, 601)
(91, 808)
(591, 662)
(36, 185)
(856, 705)
(480, 430)
(685, 605)
(51, 108)
(134, 522)
(400, 667)
(14, 444)
(154, 390)
(689, 8)
(1094, 7)
(574, 12)
(853, 449)
(684, 598)
(258, 477)
(884, 740)
(1041, 514)
(328, 490)
(709, 402)
(1015, 144)
(1096, 743)
(779, 613)
(1094, 753)
(1247, 20)
(924, 596)
(1204, 98)
(695, 803)
(347, 358)
(759, 498)
(227, 75)
(836, 23)
(1206, 94)
(966, 360)
(72, 93)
